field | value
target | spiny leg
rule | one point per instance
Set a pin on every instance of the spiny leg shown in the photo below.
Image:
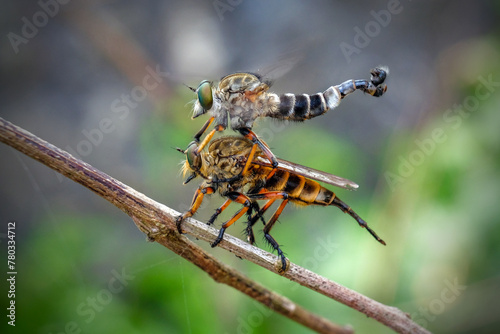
(270, 239)
(272, 196)
(263, 194)
(259, 215)
(238, 198)
(252, 220)
(218, 211)
(195, 205)
(347, 209)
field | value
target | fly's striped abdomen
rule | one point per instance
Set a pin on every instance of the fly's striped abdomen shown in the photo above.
(301, 107)
(300, 190)
(369, 87)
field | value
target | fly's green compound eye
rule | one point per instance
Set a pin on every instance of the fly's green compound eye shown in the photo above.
(192, 156)
(205, 94)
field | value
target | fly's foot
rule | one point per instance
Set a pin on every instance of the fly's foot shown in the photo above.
(178, 223)
(282, 266)
(285, 264)
(219, 238)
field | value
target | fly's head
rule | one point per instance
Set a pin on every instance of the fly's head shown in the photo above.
(193, 163)
(204, 98)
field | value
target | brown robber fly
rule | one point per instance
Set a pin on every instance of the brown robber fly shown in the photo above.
(237, 169)
(240, 98)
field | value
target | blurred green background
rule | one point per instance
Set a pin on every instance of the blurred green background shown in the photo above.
(426, 157)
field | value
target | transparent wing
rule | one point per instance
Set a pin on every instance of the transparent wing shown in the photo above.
(311, 173)
(281, 63)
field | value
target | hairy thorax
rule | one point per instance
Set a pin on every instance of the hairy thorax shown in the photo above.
(243, 108)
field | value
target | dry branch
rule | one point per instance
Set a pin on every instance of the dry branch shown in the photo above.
(158, 223)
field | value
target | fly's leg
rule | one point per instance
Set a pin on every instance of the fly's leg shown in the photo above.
(218, 211)
(347, 209)
(272, 196)
(195, 205)
(208, 138)
(249, 134)
(252, 220)
(238, 198)
(203, 129)
(249, 231)
(270, 239)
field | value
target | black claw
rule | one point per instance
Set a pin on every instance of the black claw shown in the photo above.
(219, 238)
(283, 263)
(276, 247)
(250, 236)
(178, 223)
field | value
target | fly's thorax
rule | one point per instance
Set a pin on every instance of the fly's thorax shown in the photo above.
(221, 163)
(244, 97)
(244, 110)
(228, 168)
(230, 146)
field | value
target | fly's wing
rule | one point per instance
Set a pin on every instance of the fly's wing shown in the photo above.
(270, 74)
(242, 82)
(261, 80)
(310, 173)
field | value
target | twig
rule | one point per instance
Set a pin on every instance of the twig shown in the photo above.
(158, 222)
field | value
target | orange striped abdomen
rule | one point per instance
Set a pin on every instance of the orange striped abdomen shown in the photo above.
(301, 190)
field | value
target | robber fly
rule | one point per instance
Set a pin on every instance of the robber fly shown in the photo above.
(240, 98)
(240, 172)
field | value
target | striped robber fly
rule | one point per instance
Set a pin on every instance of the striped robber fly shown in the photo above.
(240, 98)
(241, 173)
